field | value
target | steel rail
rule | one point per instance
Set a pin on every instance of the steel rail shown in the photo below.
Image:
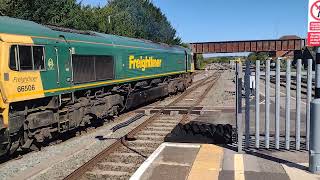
(118, 143)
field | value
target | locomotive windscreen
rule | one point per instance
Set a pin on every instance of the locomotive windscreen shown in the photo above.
(92, 68)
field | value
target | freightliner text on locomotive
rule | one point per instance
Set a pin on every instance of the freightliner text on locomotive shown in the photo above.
(54, 80)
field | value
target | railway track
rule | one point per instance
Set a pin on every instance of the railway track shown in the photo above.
(293, 84)
(122, 158)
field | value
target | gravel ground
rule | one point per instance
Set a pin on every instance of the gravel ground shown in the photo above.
(198, 77)
(190, 99)
(56, 162)
(65, 167)
(223, 92)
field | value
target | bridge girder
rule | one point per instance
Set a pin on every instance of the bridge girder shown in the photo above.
(248, 46)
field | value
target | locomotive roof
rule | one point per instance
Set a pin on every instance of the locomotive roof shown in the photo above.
(23, 27)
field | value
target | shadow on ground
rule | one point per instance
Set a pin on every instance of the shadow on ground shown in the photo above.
(225, 136)
(292, 158)
(200, 132)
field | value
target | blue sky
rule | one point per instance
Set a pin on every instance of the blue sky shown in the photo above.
(220, 20)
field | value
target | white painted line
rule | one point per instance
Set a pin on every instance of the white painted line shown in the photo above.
(284, 94)
(138, 174)
(263, 102)
(140, 171)
(238, 167)
(185, 145)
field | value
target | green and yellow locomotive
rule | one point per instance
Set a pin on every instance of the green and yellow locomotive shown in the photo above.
(54, 80)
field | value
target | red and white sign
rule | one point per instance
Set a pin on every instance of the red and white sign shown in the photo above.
(314, 23)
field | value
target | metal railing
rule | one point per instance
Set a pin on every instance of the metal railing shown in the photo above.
(280, 135)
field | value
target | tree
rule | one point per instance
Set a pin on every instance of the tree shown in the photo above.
(258, 56)
(53, 12)
(137, 19)
(200, 64)
(252, 57)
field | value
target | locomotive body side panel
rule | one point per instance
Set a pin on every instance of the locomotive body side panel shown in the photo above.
(54, 81)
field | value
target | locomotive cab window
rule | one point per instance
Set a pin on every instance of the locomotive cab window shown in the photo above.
(27, 58)
(13, 63)
(38, 57)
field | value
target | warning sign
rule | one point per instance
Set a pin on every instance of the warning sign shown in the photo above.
(314, 23)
